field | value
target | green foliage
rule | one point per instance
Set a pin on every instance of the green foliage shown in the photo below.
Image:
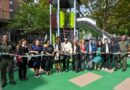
(32, 16)
(111, 15)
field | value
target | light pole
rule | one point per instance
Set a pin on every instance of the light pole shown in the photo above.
(74, 18)
(58, 17)
(50, 23)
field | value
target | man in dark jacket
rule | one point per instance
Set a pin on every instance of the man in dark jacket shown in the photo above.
(124, 46)
(6, 61)
(90, 49)
(114, 49)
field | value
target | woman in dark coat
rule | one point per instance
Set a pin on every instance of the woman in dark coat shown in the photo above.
(49, 58)
(22, 49)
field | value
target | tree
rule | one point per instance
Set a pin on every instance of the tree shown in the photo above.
(32, 16)
(111, 15)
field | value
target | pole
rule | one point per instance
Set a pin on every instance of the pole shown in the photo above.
(50, 24)
(58, 17)
(74, 18)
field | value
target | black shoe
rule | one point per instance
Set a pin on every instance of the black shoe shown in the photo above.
(115, 69)
(90, 69)
(3, 84)
(25, 78)
(77, 71)
(21, 79)
(13, 82)
(67, 70)
(123, 70)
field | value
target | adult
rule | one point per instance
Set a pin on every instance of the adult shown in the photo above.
(67, 49)
(114, 49)
(6, 61)
(106, 54)
(58, 53)
(49, 59)
(98, 59)
(22, 49)
(124, 47)
(76, 62)
(83, 54)
(90, 49)
(36, 49)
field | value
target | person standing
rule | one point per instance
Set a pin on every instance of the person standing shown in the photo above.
(124, 47)
(49, 59)
(22, 49)
(76, 62)
(6, 61)
(82, 55)
(114, 49)
(91, 49)
(67, 49)
(106, 54)
(36, 49)
(57, 52)
(98, 59)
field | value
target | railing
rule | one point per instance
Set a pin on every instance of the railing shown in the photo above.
(4, 15)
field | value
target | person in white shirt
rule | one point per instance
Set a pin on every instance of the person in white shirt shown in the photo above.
(67, 49)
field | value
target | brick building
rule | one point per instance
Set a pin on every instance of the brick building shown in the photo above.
(7, 10)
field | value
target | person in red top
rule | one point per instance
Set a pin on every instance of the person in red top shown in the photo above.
(22, 49)
(83, 55)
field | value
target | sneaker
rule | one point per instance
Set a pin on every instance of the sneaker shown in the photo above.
(106, 69)
(98, 69)
(25, 78)
(47, 73)
(103, 68)
(3, 85)
(115, 69)
(123, 70)
(13, 82)
(37, 75)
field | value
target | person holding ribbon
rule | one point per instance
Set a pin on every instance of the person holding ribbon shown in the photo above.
(98, 59)
(76, 62)
(114, 56)
(67, 49)
(124, 47)
(22, 61)
(106, 54)
(49, 58)
(36, 49)
(6, 61)
(91, 49)
(83, 54)
(58, 54)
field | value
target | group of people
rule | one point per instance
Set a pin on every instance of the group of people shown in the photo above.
(81, 56)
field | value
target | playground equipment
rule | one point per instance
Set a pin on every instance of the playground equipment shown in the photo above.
(64, 4)
(88, 25)
(75, 23)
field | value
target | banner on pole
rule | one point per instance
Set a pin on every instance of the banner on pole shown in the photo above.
(72, 20)
(62, 19)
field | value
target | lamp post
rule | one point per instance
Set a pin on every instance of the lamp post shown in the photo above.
(74, 18)
(58, 17)
(50, 23)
